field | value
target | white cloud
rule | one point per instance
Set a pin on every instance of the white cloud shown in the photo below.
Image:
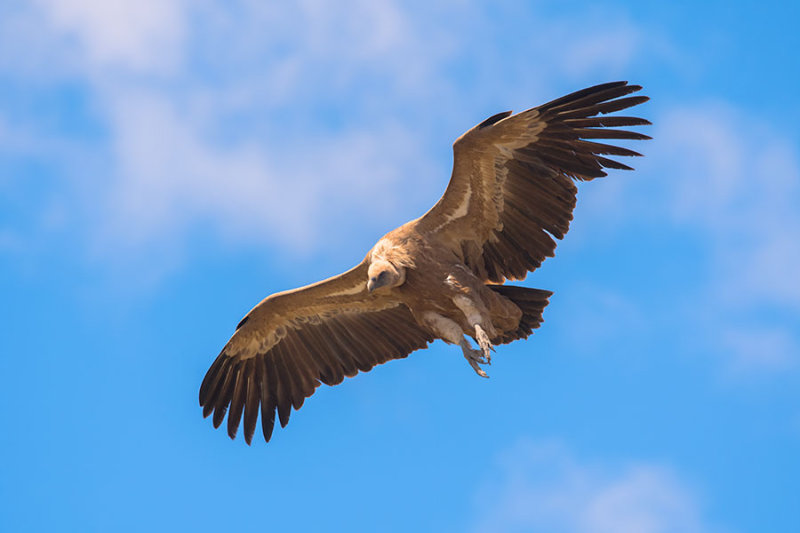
(732, 183)
(199, 150)
(603, 50)
(760, 349)
(738, 182)
(265, 122)
(542, 487)
(141, 36)
(169, 175)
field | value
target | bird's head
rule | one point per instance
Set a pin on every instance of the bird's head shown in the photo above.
(382, 273)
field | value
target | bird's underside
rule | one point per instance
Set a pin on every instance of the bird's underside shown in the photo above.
(441, 276)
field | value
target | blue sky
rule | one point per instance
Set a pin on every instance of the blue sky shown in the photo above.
(166, 164)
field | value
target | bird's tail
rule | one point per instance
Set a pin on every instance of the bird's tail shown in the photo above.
(532, 303)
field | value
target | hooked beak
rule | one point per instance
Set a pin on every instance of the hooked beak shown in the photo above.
(371, 284)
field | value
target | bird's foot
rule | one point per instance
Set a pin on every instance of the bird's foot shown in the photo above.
(475, 358)
(483, 341)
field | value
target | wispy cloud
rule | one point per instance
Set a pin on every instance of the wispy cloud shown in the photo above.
(208, 107)
(139, 36)
(735, 183)
(541, 486)
(598, 51)
(234, 149)
(738, 182)
(170, 174)
(761, 349)
(265, 124)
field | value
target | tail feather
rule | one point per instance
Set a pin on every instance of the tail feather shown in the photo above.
(531, 302)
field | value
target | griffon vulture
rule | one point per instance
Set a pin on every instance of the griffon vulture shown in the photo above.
(438, 277)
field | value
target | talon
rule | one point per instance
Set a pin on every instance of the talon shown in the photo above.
(474, 358)
(478, 370)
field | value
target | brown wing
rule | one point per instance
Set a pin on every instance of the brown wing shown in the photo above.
(295, 340)
(511, 190)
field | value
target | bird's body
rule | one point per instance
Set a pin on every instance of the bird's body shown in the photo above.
(438, 277)
(441, 287)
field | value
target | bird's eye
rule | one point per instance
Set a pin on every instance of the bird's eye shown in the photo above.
(382, 275)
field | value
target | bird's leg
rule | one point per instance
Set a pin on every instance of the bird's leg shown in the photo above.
(474, 318)
(483, 341)
(450, 331)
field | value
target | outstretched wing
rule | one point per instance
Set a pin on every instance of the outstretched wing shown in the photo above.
(295, 340)
(511, 190)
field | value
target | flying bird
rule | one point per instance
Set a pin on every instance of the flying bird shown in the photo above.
(441, 276)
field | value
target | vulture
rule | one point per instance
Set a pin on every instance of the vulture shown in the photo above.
(441, 276)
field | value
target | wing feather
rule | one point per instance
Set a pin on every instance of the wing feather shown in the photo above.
(237, 400)
(225, 393)
(269, 385)
(211, 381)
(293, 341)
(284, 388)
(590, 133)
(591, 95)
(605, 122)
(512, 190)
(251, 403)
